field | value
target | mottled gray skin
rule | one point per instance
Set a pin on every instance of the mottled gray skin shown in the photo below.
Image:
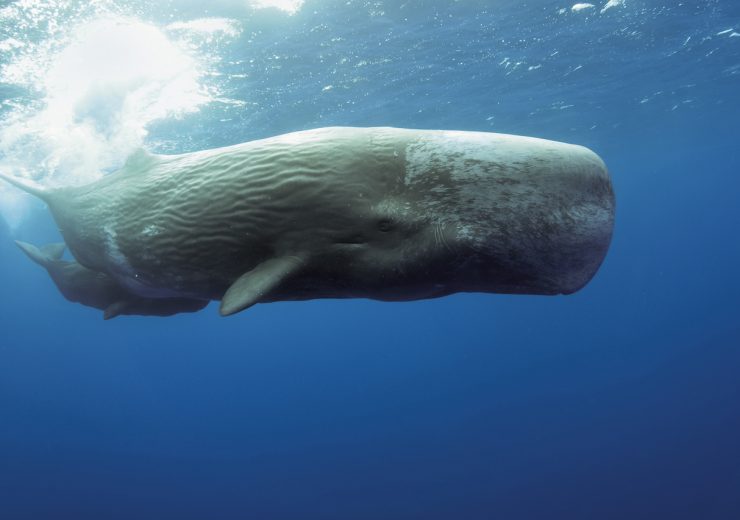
(382, 213)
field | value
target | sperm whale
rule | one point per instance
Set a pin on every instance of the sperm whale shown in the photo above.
(384, 213)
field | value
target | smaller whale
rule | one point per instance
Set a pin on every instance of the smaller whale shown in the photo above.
(79, 284)
(384, 213)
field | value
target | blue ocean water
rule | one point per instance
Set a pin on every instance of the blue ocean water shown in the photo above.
(620, 401)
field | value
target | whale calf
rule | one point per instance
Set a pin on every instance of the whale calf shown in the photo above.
(384, 213)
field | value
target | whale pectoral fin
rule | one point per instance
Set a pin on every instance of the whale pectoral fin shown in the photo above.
(254, 285)
(115, 309)
(44, 256)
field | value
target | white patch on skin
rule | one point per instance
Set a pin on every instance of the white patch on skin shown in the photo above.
(442, 158)
(481, 185)
(114, 252)
(392, 209)
(465, 233)
(126, 275)
(463, 164)
(151, 230)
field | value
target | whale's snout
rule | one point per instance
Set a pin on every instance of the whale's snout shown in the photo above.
(534, 216)
(580, 226)
(556, 223)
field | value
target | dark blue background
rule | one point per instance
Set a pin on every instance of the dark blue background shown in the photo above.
(621, 401)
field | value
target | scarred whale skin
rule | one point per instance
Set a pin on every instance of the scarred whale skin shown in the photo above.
(382, 213)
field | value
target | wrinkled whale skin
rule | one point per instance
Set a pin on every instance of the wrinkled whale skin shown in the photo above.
(382, 213)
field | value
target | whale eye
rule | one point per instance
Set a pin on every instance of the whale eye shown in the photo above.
(385, 225)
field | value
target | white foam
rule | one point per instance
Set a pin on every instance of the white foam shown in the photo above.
(289, 6)
(580, 7)
(610, 4)
(208, 26)
(98, 89)
(10, 44)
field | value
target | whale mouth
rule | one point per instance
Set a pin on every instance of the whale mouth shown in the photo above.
(353, 240)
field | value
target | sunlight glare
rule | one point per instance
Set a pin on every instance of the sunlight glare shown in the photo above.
(100, 92)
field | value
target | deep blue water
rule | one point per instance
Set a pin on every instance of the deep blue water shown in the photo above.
(620, 401)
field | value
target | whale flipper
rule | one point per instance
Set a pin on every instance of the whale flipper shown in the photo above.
(254, 285)
(45, 255)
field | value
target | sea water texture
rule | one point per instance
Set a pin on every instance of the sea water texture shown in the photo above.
(620, 401)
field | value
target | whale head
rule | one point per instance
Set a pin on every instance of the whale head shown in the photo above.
(487, 212)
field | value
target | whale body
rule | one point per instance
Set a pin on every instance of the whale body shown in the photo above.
(383, 213)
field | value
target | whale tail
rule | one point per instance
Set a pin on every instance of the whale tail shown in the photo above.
(28, 186)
